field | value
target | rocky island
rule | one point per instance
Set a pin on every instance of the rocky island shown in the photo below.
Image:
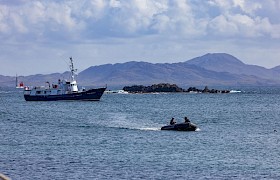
(166, 87)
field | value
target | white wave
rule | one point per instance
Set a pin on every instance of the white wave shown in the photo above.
(235, 91)
(149, 129)
(5, 92)
(136, 128)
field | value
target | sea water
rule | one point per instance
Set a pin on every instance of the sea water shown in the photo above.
(119, 137)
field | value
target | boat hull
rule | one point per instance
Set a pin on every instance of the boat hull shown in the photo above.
(89, 95)
(180, 127)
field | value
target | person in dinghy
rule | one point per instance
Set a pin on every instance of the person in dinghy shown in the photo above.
(185, 126)
(172, 121)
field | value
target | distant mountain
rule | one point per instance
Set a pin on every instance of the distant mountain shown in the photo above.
(211, 69)
(7, 81)
(33, 80)
(276, 69)
(52, 78)
(221, 62)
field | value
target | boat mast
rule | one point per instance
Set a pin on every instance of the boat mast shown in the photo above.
(72, 69)
(16, 81)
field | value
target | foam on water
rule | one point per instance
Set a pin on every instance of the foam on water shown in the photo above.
(235, 91)
(150, 129)
(5, 92)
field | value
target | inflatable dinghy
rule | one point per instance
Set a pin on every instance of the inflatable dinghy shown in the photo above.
(180, 127)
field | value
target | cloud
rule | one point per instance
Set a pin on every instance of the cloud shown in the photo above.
(246, 19)
(241, 6)
(4, 27)
(241, 25)
(93, 18)
(249, 7)
(134, 28)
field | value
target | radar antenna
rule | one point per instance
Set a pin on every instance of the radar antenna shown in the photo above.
(72, 69)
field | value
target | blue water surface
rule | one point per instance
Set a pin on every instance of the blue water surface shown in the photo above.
(120, 137)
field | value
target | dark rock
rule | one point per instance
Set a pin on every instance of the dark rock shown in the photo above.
(165, 87)
(162, 87)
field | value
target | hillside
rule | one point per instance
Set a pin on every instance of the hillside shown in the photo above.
(221, 62)
(276, 69)
(211, 69)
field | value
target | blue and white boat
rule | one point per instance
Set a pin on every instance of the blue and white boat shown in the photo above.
(63, 90)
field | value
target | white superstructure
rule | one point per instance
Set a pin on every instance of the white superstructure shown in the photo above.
(62, 87)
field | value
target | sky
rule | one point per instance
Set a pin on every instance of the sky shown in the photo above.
(39, 36)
